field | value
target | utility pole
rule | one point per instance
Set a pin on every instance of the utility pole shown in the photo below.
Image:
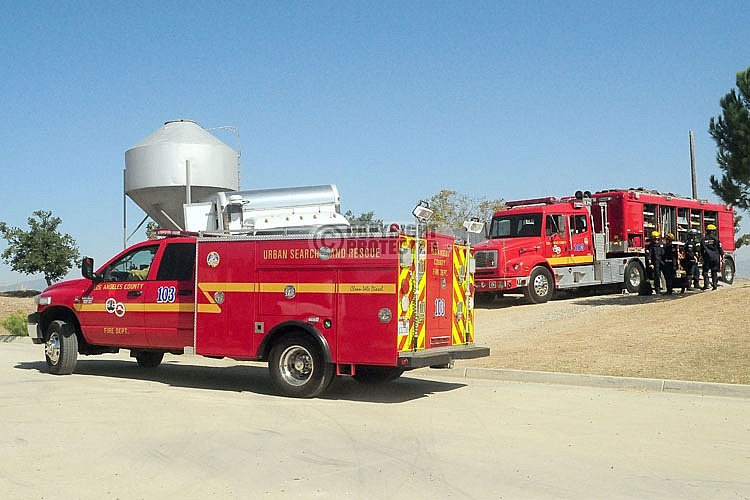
(692, 166)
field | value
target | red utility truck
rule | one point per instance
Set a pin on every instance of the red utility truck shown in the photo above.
(541, 245)
(313, 306)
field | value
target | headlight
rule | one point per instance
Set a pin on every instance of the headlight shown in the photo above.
(42, 300)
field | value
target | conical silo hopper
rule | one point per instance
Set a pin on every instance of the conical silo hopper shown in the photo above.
(159, 168)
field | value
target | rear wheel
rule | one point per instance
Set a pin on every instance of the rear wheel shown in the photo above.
(365, 374)
(635, 276)
(298, 368)
(727, 271)
(540, 287)
(149, 359)
(61, 348)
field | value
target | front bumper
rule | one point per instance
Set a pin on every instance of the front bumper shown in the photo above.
(440, 356)
(500, 284)
(35, 331)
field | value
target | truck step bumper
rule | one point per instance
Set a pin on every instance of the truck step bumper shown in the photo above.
(440, 356)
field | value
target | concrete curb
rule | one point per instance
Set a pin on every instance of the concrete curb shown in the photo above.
(629, 383)
(15, 338)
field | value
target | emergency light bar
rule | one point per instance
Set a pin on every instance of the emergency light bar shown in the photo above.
(173, 232)
(533, 201)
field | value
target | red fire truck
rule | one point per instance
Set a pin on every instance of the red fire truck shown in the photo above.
(313, 306)
(541, 245)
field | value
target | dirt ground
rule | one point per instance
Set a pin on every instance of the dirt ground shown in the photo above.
(700, 336)
(11, 304)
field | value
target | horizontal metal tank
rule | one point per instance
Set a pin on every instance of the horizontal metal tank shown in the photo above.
(287, 198)
(157, 172)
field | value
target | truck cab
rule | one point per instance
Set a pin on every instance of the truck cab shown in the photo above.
(527, 241)
(141, 299)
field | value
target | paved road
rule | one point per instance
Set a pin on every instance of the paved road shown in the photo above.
(198, 428)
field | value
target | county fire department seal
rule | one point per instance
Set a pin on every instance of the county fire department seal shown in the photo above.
(212, 259)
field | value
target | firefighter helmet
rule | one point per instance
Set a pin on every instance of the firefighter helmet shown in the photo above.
(693, 231)
(654, 234)
(710, 227)
(670, 236)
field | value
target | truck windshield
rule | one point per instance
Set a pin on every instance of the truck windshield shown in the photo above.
(516, 225)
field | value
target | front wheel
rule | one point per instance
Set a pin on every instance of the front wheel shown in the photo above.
(298, 368)
(484, 298)
(540, 287)
(727, 271)
(61, 348)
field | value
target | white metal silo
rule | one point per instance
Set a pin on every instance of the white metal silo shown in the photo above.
(160, 167)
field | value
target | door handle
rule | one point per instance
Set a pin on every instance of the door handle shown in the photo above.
(134, 293)
(185, 292)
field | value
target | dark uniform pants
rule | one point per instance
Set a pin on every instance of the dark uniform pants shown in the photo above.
(668, 275)
(657, 276)
(713, 266)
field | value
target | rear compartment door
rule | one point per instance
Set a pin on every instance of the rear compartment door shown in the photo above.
(439, 298)
(226, 298)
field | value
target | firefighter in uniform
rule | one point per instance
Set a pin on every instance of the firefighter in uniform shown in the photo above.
(669, 262)
(711, 254)
(655, 259)
(690, 260)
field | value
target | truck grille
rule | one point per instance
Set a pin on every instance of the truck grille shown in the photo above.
(486, 259)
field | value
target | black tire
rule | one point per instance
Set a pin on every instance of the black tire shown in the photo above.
(149, 359)
(298, 368)
(635, 276)
(727, 271)
(484, 298)
(366, 374)
(61, 348)
(541, 286)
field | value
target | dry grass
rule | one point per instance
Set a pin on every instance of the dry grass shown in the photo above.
(12, 302)
(701, 336)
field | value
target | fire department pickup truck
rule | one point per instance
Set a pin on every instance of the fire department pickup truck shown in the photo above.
(313, 307)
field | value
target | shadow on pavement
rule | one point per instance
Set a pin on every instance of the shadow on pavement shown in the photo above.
(245, 378)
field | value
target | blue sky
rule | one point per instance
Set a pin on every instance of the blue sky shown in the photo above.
(391, 101)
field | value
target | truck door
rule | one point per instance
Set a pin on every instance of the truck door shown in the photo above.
(557, 246)
(581, 249)
(112, 312)
(169, 298)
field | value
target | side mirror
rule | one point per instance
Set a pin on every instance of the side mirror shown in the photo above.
(87, 269)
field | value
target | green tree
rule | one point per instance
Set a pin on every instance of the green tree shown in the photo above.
(731, 132)
(151, 228)
(41, 249)
(363, 219)
(453, 208)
